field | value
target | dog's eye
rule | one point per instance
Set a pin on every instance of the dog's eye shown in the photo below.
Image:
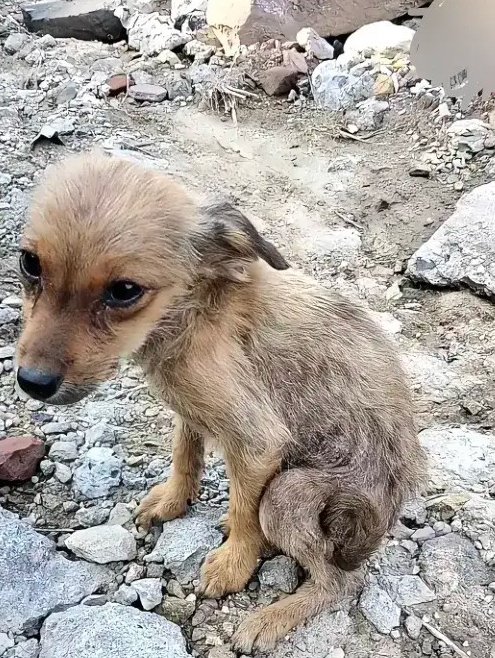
(30, 266)
(121, 294)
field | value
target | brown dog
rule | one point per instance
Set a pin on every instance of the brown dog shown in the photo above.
(296, 385)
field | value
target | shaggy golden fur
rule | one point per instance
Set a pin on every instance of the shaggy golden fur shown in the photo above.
(295, 384)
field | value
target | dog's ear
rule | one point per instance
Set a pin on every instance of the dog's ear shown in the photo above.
(228, 241)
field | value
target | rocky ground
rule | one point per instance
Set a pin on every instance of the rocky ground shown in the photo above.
(353, 195)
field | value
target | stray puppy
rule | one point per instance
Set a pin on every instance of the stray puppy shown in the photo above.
(295, 384)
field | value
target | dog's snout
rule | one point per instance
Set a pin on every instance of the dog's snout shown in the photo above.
(39, 385)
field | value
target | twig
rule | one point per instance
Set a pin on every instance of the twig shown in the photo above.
(359, 138)
(348, 220)
(55, 529)
(440, 636)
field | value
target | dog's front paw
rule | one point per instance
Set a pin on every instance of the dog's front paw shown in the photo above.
(227, 569)
(262, 630)
(163, 503)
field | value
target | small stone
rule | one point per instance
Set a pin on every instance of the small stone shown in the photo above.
(15, 42)
(401, 531)
(91, 516)
(408, 590)
(103, 544)
(47, 467)
(47, 41)
(67, 93)
(184, 543)
(378, 608)
(6, 642)
(19, 457)
(413, 626)
(174, 588)
(176, 610)
(313, 44)
(8, 315)
(135, 572)
(168, 57)
(148, 93)
(201, 52)
(154, 570)
(125, 595)
(118, 84)
(56, 428)
(178, 87)
(149, 591)
(279, 573)
(423, 534)
(98, 474)
(120, 515)
(63, 451)
(278, 80)
(63, 473)
(414, 511)
(7, 352)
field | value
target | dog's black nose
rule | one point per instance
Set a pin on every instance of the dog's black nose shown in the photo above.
(39, 385)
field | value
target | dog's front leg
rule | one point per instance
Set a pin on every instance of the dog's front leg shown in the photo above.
(229, 568)
(170, 500)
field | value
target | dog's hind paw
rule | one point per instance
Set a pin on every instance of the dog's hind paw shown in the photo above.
(261, 631)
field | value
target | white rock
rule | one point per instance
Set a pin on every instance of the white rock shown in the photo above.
(152, 33)
(63, 473)
(313, 44)
(182, 8)
(15, 42)
(149, 591)
(99, 473)
(64, 451)
(471, 135)
(379, 608)
(120, 515)
(462, 251)
(125, 595)
(382, 37)
(6, 642)
(103, 544)
(336, 91)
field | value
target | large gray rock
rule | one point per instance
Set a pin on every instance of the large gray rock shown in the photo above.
(35, 579)
(103, 544)
(98, 473)
(462, 251)
(336, 90)
(451, 564)
(184, 544)
(89, 20)
(282, 19)
(459, 455)
(110, 631)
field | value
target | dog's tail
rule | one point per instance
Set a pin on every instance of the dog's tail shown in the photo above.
(330, 530)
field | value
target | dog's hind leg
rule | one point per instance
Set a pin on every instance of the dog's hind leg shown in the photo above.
(300, 510)
(169, 500)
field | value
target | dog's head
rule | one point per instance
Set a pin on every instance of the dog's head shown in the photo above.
(109, 248)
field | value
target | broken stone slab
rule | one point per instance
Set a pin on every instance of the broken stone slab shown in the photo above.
(459, 455)
(384, 38)
(108, 631)
(462, 251)
(185, 542)
(88, 20)
(278, 80)
(250, 21)
(336, 91)
(35, 579)
(19, 457)
(313, 44)
(148, 93)
(407, 590)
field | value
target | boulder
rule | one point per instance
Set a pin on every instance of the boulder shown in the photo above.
(88, 20)
(257, 20)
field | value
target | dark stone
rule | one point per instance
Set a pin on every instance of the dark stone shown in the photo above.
(19, 457)
(278, 80)
(88, 20)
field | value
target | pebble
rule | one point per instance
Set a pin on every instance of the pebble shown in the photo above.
(91, 516)
(423, 534)
(103, 544)
(98, 473)
(125, 595)
(378, 608)
(413, 626)
(178, 611)
(135, 572)
(280, 573)
(65, 451)
(149, 591)
(63, 473)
